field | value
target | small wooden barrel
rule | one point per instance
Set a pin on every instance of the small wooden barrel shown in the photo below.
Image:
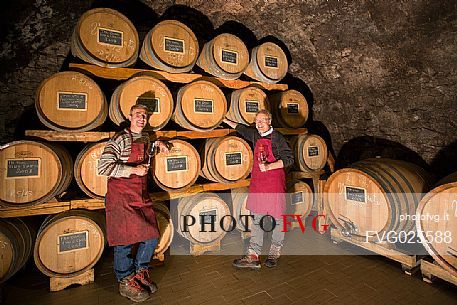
(436, 223)
(201, 206)
(70, 243)
(33, 172)
(245, 103)
(239, 200)
(289, 109)
(16, 240)
(166, 230)
(225, 56)
(299, 199)
(373, 196)
(200, 106)
(170, 46)
(86, 173)
(177, 169)
(145, 90)
(310, 152)
(106, 38)
(268, 63)
(227, 159)
(70, 101)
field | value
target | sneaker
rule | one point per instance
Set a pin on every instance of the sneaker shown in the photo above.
(248, 261)
(271, 261)
(130, 289)
(143, 278)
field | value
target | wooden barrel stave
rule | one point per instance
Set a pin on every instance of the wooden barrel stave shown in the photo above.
(268, 63)
(245, 103)
(289, 109)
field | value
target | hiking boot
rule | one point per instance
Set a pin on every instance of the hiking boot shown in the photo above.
(130, 289)
(248, 261)
(271, 261)
(143, 278)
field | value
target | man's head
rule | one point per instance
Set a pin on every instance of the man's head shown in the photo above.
(138, 117)
(263, 120)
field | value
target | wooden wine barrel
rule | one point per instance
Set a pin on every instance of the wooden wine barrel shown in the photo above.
(289, 109)
(170, 46)
(177, 169)
(145, 90)
(369, 198)
(70, 101)
(200, 106)
(70, 243)
(86, 173)
(225, 56)
(268, 63)
(239, 200)
(166, 229)
(33, 172)
(310, 152)
(200, 206)
(16, 240)
(245, 103)
(106, 38)
(436, 223)
(227, 159)
(299, 199)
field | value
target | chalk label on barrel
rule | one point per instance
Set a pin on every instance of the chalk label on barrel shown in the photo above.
(173, 45)
(73, 242)
(176, 164)
(252, 106)
(110, 37)
(152, 103)
(230, 57)
(313, 151)
(203, 106)
(24, 168)
(292, 108)
(355, 194)
(234, 158)
(297, 198)
(71, 101)
(271, 62)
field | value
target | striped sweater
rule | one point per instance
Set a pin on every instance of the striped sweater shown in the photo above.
(113, 160)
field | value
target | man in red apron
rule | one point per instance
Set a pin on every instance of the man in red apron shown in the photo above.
(130, 218)
(267, 189)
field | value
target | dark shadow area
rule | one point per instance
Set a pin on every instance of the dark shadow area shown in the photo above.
(445, 161)
(365, 147)
(195, 20)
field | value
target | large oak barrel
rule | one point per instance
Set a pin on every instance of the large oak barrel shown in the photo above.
(310, 152)
(245, 103)
(200, 106)
(170, 46)
(299, 199)
(268, 63)
(289, 109)
(70, 243)
(106, 38)
(201, 207)
(86, 173)
(16, 240)
(225, 56)
(227, 159)
(239, 200)
(166, 229)
(436, 223)
(145, 90)
(177, 169)
(374, 197)
(33, 172)
(70, 101)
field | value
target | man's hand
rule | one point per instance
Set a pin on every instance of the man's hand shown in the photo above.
(163, 148)
(230, 123)
(264, 167)
(140, 170)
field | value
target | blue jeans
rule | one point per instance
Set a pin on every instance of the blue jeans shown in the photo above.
(125, 264)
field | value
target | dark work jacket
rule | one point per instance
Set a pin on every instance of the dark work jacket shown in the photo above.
(280, 147)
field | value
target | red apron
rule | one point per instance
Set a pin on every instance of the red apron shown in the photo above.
(129, 214)
(267, 189)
